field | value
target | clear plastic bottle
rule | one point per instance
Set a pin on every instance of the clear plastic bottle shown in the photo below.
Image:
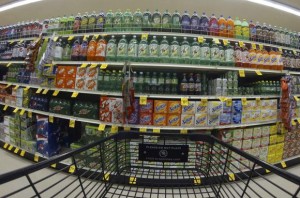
(118, 21)
(109, 21)
(164, 51)
(143, 51)
(154, 50)
(245, 30)
(156, 21)
(176, 21)
(215, 53)
(137, 20)
(122, 49)
(92, 22)
(186, 22)
(166, 21)
(195, 52)
(185, 51)
(133, 49)
(175, 51)
(147, 20)
(111, 49)
(205, 53)
(161, 83)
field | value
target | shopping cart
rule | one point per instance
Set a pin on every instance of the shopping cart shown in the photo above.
(132, 164)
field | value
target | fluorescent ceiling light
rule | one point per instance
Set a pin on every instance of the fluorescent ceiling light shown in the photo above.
(278, 6)
(17, 4)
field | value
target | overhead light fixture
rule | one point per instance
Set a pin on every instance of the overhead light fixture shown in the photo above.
(278, 6)
(17, 4)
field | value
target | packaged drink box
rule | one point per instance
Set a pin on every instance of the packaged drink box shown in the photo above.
(248, 133)
(92, 72)
(256, 143)
(237, 134)
(80, 73)
(136, 105)
(105, 116)
(70, 71)
(42, 126)
(255, 116)
(159, 119)
(80, 83)
(174, 107)
(61, 71)
(246, 117)
(187, 120)
(236, 118)
(237, 144)
(189, 109)
(237, 106)
(117, 117)
(160, 106)
(265, 131)
(60, 82)
(256, 132)
(90, 84)
(247, 144)
(215, 107)
(69, 83)
(273, 139)
(199, 108)
(264, 141)
(250, 106)
(111, 104)
(213, 120)
(148, 107)
(226, 109)
(146, 119)
(173, 119)
(226, 135)
(225, 118)
(273, 129)
(201, 119)
(134, 118)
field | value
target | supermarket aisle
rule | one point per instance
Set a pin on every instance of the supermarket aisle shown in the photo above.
(9, 162)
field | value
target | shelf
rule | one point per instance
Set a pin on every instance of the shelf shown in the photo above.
(161, 96)
(11, 62)
(292, 73)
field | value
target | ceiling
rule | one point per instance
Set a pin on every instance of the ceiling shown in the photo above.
(292, 3)
(3, 2)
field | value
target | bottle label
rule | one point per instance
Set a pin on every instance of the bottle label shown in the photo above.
(253, 31)
(154, 81)
(84, 21)
(205, 52)
(111, 49)
(156, 19)
(132, 49)
(161, 81)
(175, 51)
(127, 19)
(164, 50)
(260, 59)
(185, 51)
(197, 87)
(58, 52)
(245, 56)
(222, 55)
(153, 50)
(214, 26)
(75, 27)
(229, 55)
(238, 30)
(176, 20)
(266, 59)
(245, 31)
(117, 20)
(122, 47)
(143, 50)
(174, 81)
(195, 51)
(222, 27)
(168, 81)
(83, 51)
(274, 59)
(137, 20)
(252, 58)
(238, 55)
(100, 22)
(92, 21)
(184, 86)
(215, 52)
(204, 24)
(194, 23)
(185, 21)
(147, 80)
(146, 19)
(100, 51)
(76, 50)
(166, 19)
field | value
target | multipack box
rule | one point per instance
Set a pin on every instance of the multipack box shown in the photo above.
(174, 107)
(201, 119)
(213, 120)
(80, 83)
(159, 119)
(173, 119)
(215, 107)
(160, 106)
(187, 120)
(90, 84)
(200, 109)
(189, 109)
(148, 107)
(91, 72)
(146, 119)
(80, 72)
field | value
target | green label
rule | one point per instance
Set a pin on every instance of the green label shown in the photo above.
(153, 49)
(175, 51)
(195, 51)
(143, 50)
(122, 49)
(132, 50)
(215, 52)
(164, 50)
(185, 51)
(205, 52)
(111, 49)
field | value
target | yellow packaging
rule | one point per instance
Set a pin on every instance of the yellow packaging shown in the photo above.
(200, 108)
(264, 104)
(246, 117)
(273, 139)
(272, 149)
(279, 147)
(187, 120)
(271, 158)
(215, 108)
(201, 119)
(250, 106)
(273, 129)
(280, 138)
(273, 104)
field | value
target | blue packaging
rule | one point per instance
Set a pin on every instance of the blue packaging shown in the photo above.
(48, 146)
(237, 106)
(226, 109)
(225, 118)
(42, 126)
(134, 118)
(236, 118)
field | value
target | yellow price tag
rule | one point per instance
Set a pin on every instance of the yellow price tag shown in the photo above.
(241, 43)
(216, 41)
(132, 180)
(16, 110)
(5, 107)
(72, 169)
(242, 73)
(225, 42)
(96, 36)
(29, 114)
(156, 130)
(143, 100)
(22, 154)
(16, 87)
(295, 52)
(184, 102)
(36, 158)
(84, 65)
(22, 112)
(39, 90)
(45, 91)
(200, 39)
(294, 123)
(26, 88)
(10, 147)
(127, 128)
(101, 127)
(143, 130)
(283, 164)
(16, 150)
(94, 65)
(114, 129)
(244, 101)
(86, 37)
(222, 99)
(280, 49)
(231, 177)
(183, 131)
(229, 102)
(298, 120)
(253, 45)
(55, 93)
(9, 64)
(103, 66)
(74, 94)
(261, 47)
(267, 171)
(8, 85)
(257, 99)
(51, 119)
(204, 102)
(197, 180)
(258, 72)
(72, 123)
(5, 145)
(55, 38)
(70, 38)
(145, 36)
(296, 98)
(53, 165)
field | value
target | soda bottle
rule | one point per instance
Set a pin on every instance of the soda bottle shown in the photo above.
(260, 59)
(184, 85)
(195, 52)
(230, 28)
(191, 85)
(143, 50)
(221, 55)
(147, 19)
(100, 50)
(197, 85)
(156, 21)
(245, 30)
(111, 49)
(298, 61)
(113, 81)
(252, 28)
(245, 57)
(265, 33)
(133, 49)
(185, 52)
(205, 53)
(259, 32)
(238, 28)
(161, 83)
(222, 23)
(174, 84)
(135, 80)
(109, 21)
(186, 22)
(83, 50)
(273, 59)
(213, 26)
(55, 26)
(176, 22)
(204, 24)
(122, 49)
(229, 55)
(238, 55)
(175, 51)
(63, 24)
(120, 78)
(277, 35)
(100, 80)
(195, 23)
(91, 51)
(128, 20)
(154, 83)
(118, 21)
(166, 21)
(140, 83)
(287, 37)
(214, 53)
(58, 51)
(69, 26)
(252, 58)
(164, 51)
(293, 61)
(92, 22)
(106, 81)
(271, 34)
(154, 50)
(266, 56)
(77, 23)
(76, 48)
(280, 60)
(137, 20)
(84, 23)
(147, 83)
(282, 36)
(168, 84)
(100, 21)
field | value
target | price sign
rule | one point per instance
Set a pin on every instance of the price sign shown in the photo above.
(55, 38)
(242, 73)
(231, 177)
(127, 128)
(29, 114)
(5, 145)
(9, 64)
(183, 131)
(296, 98)
(53, 165)
(70, 38)
(84, 65)
(114, 129)
(26, 88)
(258, 72)
(216, 40)
(10, 147)
(39, 90)
(204, 102)
(51, 119)
(72, 123)
(156, 130)
(96, 36)
(16, 110)
(283, 164)
(5, 107)
(143, 130)
(94, 65)
(22, 112)
(45, 91)
(16, 150)
(36, 158)
(74, 94)
(225, 42)
(72, 169)
(229, 102)
(55, 93)
(244, 101)
(22, 154)
(241, 43)
(103, 66)
(184, 102)
(145, 36)
(257, 99)
(143, 100)
(101, 127)
(200, 39)
(261, 47)
(16, 87)
(253, 45)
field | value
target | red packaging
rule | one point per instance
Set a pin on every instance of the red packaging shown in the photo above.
(80, 73)
(61, 71)
(159, 119)
(160, 106)
(70, 83)
(146, 119)
(105, 116)
(60, 83)
(71, 71)
(80, 83)
(111, 104)
(148, 108)
(91, 72)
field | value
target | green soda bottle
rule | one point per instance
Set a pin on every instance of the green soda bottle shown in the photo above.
(154, 83)
(161, 83)
(140, 82)
(147, 83)
(175, 51)
(137, 20)
(153, 50)
(221, 55)
(69, 26)
(168, 84)
(214, 53)
(113, 81)
(156, 21)
(185, 51)
(118, 21)
(166, 21)
(63, 22)
(164, 51)
(143, 51)
(109, 20)
(122, 49)
(174, 84)
(238, 28)
(119, 81)
(111, 49)
(128, 19)
(106, 81)
(176, 22)
(205, 53)
(100, 80)
(245, 30)
(229, 55)
(147, 20)
(195, 52)
(132, 52)
(92, 22)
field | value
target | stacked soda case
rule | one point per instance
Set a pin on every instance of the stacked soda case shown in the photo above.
(292, 139)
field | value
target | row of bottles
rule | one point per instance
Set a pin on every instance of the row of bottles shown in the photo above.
(265, 87)
(110, 80)
(17, 52)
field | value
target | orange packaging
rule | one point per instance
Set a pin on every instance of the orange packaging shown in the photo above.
(252, 58)
(230, 28)
(173, 119)
(90, 84)
(91, 52)
(266, 57)
(91, 72)
(105, 116)
(70, 83)
(159, 119)
(100, 51)
(160, 106)
(146, 119)
(222, 26)
(61, 71)
(70, 71)
(80, 83)
(260, 59)
(273, 60)
(174, 107)
(147, 108)
(104, 103)
(80, 72)
(60, 83)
